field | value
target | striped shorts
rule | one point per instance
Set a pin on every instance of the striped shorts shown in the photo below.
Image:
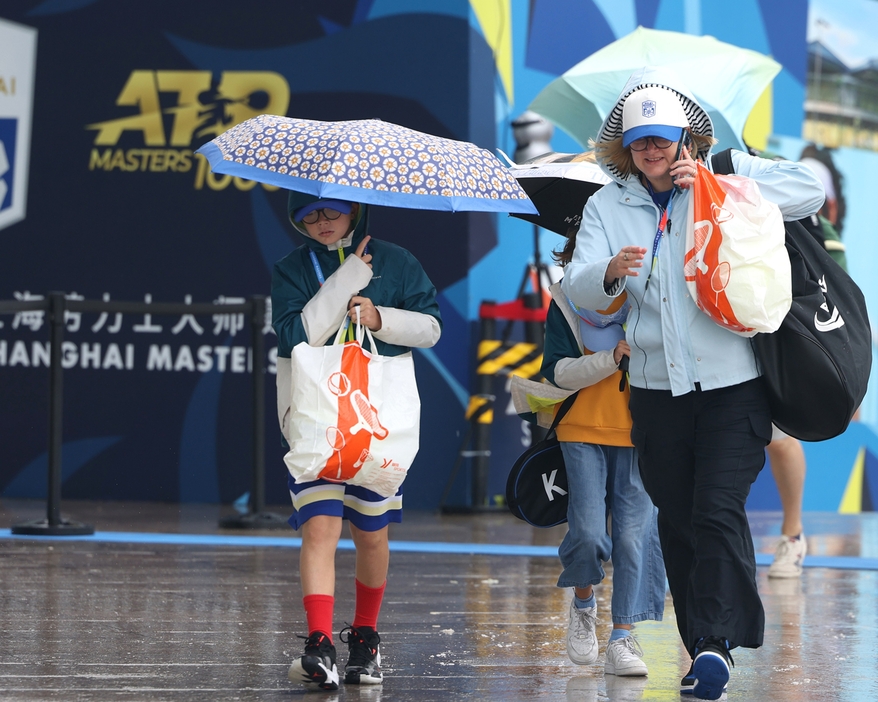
(366, 510)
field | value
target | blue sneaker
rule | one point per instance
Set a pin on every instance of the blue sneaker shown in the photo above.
(710, 668)
(688, 682)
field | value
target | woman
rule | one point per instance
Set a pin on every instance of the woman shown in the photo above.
(583, 351)
(700, 416)
(312, 290)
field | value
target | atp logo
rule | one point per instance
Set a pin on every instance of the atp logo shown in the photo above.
(170, 113)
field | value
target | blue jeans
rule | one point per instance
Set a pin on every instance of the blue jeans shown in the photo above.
(604, 480)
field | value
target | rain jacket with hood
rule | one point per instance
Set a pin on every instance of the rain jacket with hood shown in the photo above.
(673, 344)
(304, 310)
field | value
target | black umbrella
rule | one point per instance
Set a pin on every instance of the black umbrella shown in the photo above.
(559, 185)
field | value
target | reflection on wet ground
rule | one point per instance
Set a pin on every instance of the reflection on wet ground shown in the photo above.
(161, 604)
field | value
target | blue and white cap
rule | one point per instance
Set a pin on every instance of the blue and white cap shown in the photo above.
(652, 112)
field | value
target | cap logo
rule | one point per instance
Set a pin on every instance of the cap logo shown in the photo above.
(648, 108)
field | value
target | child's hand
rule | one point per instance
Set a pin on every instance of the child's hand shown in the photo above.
(366, 257)
(622, 349)
(369, 316)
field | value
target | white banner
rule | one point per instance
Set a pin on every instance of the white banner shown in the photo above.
(18, 54)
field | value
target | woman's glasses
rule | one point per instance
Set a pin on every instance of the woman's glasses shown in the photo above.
(314, 215)
(658, 142)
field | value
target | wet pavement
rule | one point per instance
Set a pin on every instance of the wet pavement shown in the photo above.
(162, 604)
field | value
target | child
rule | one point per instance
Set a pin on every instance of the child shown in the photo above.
(312, 290)
(583, 350)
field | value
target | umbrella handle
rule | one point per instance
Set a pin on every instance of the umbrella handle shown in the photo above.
(623, 366)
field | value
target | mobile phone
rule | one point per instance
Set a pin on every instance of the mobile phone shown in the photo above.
(685, 140)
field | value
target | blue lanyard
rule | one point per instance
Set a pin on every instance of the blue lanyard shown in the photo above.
(664, 220)
(317, 269)
(316, 263)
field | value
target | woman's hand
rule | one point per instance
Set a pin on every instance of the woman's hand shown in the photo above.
(622, 349)
(683, 171)
(625, 263)
(366, 257)
(369, 316)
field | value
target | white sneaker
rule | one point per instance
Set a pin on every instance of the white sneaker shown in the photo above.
(582, 641)
(624, 658)
(788, 557)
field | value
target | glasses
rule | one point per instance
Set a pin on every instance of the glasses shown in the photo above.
(314, 215)
(658, 142)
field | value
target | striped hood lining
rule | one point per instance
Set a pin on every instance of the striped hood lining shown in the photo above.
(699, 120)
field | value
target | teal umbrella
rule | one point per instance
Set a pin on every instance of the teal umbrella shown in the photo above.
(725, 79)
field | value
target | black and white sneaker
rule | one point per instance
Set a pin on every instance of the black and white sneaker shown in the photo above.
(364, 662)
(710, 668)
(316, 669)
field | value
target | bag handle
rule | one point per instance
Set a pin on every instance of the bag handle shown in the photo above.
(361, 331)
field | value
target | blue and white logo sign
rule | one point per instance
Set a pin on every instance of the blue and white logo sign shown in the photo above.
(648, 108)
(18, 49)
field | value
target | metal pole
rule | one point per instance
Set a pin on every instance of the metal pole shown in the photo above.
(482, 429)
(56, 406)
(257, 498)
(257, 517)
(54, 524)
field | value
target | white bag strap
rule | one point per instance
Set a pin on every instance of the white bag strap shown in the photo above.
(360, 331)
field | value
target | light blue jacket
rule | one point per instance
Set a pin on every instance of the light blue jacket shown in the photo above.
(674, 345)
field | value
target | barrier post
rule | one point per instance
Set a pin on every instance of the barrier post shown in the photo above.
(257, 517)
(54, 524)
(481, 452)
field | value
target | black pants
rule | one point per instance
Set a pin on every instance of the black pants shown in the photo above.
(699, 455)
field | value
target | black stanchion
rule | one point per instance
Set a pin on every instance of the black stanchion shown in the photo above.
(54, 524)
(257, 517)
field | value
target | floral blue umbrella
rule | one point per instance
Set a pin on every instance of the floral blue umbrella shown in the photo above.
(368, 161)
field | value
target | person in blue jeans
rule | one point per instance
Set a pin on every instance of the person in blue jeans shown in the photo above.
(583, 350)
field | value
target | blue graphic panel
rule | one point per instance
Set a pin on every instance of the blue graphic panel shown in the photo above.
(786, 26)
(763, 493)
(646, 12)
(564, 33)
(8, 131)
(870, 483)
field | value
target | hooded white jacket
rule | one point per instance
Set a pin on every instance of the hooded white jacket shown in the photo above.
(673, 344)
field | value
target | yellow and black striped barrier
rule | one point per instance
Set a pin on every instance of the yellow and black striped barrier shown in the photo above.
(509, 358)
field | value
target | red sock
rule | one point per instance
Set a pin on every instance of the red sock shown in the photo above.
(369, 601)
(318, 612)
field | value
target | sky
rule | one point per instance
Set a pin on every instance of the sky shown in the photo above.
(844, 28)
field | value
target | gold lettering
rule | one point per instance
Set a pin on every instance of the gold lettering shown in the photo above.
(188, 85)
(140, 90)
(247, 92)
(118, 161)
(3, 86)
(154, 160)
(99, 160)
(183, 163)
